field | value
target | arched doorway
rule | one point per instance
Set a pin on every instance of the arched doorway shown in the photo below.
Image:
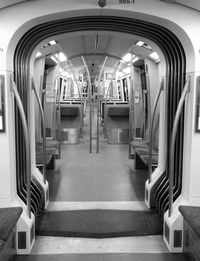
(165, 39)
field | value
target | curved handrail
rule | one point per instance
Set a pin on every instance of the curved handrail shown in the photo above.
(151, 129)
(172, 143)
(43, 130)
(90, 100)
(98, 86)
(27, 144)
(119, 62)
(75, 79)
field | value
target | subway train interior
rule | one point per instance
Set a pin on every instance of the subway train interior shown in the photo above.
(99, 130)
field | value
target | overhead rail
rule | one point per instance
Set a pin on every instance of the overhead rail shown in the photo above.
(98, 86)
(161, 88)
(172, 143)
(90, 100)
(43, 131)
(27, 144)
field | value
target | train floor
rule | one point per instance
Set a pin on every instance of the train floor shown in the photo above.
(108, 180)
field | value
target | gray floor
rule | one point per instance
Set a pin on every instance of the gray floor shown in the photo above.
(108, 179)
(107, 176)
(106, 257)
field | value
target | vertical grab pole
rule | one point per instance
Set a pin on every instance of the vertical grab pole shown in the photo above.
(98, 86)
(90, 100)
(148, 100)
(27, 144)
(144, 111)
(151, 129)
(43, 130)
(131, 107)
(172, 143)
(58, 110)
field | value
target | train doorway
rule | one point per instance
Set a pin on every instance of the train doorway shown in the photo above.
(175, 58)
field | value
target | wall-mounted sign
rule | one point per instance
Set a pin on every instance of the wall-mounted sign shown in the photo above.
(126, 1)
(2, 108)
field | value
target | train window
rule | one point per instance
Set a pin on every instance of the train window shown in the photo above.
(2, 116)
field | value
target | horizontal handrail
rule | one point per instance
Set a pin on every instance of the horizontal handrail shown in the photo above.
(27, 144)
(172, 143)
(43, 130)
(161, 88)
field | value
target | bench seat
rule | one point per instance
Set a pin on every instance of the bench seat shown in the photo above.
(139, 143)
(145, 151)
(8, 221)
(50, 143)
(191, 226)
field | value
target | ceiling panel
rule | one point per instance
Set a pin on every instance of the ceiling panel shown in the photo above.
(94, 47)
(72, 45)
(195, 4)
(7, 3)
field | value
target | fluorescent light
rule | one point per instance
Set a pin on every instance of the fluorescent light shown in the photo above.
(62, 57)
(65, 74)
(127, 70)
(120, 74)
(135, 59)
(54, 59)
(154, 55)
(38, 54)
(53, 42)
(127, 57)
(139, 43)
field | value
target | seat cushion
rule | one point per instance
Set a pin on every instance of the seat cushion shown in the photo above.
(8, 221)
(1, 244)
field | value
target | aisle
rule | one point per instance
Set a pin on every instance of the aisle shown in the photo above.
(80, 176)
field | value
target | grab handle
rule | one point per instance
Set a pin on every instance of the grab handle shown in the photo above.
(172, 143)
(27, 144)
